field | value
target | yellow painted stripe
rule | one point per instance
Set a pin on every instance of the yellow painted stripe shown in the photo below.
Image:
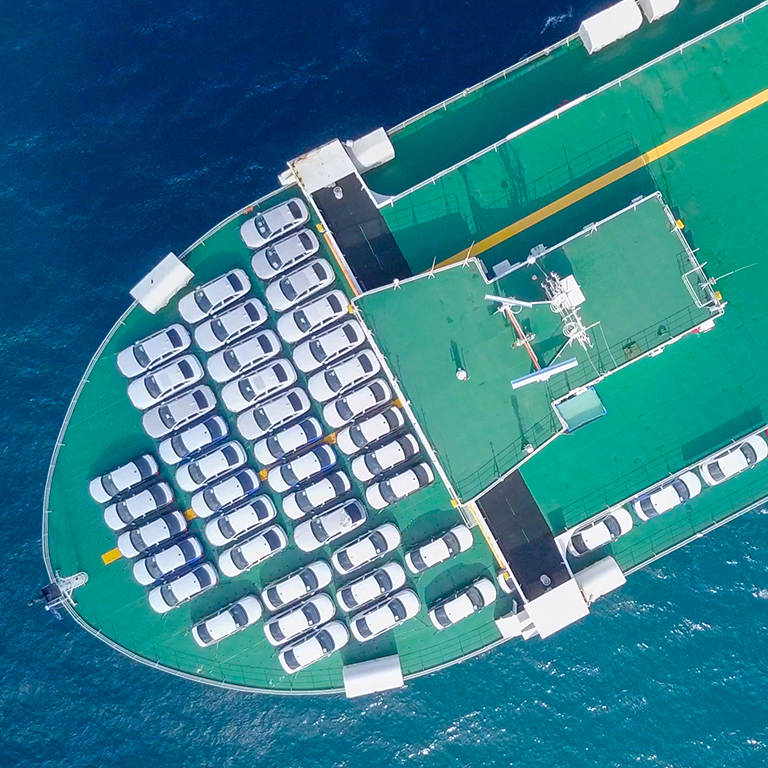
(111, 556)
(609, 178)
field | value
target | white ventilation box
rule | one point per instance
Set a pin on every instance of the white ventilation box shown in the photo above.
(655, 9)
(373, 676)
(370, 151)
(600, 578)
(155, 290)
(610, 25)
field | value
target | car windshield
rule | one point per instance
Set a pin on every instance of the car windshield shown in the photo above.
(387, 493)
(418, 560)
(136, 541)
(123, 512)
(219, 331)
(204, 634)
(231, 361)
(166, 416)
(273, 446)
(246, 390)
(109, 485)
(152, 387)
(261, 226)
(174, 337)
(286, 286)
(379, 542)
(177, 444)
(452, 543)
(374, 467)
(682, 490)
(398, 610)
(311, 613)
(238, 559)
(153, 569)
(262, 419)
(290, 660)
(383, 580)
(227, 531)
(209, 497)
(168, 596)
(716, 472)
(318, 530)
(239, 615)
(442, 617)
(289, 475)
(344, 410)
(202, 301)
(309, 579)
(196, 474)
(272, 258)
(317, 351)
(647, 506)
(613, 526)
(357, 437)
(332, 379)
(475, 597)
(142, 358)
(302, 321)
(344, 560)
(325, 640)
(749, 453)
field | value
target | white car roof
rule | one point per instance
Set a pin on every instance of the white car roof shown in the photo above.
(170, 559)
(459, 608)
(185, 586)
(434, 552)
(220, 626)
(596, 535)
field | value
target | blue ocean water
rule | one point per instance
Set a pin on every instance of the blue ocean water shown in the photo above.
(126, 131)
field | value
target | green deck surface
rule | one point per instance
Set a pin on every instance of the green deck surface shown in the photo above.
(469, 123)
(540, 166)
(105, 431)
(663, 413)
(430, 327)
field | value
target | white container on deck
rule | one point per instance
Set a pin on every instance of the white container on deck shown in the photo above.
(610, 25)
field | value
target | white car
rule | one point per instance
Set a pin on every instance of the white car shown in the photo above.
(462, 605)
(224, 529)
(273, 448)
(312, 316)
(193, 440)
(370, 587)
(105, 488)
(397, 487)
(313, 612)
(385, 615)
(311, 648)
(342, 376)
(276, 221)
(313, 497)
(274, 259)
(165, 382)
(231, 325)
(384, 458)
(299, 285)
(240, 615)
(603, 531)
(329, 526)
(298, 585)
(356, 403)
(249, 390)
(121, 514)
(290, 474)
(132, 543)
(167, 562)
(375, 544)
(736, 459)
(365, 432)
(168, 596)
(244, 356)
(242, 557)
(177, 413)
(156, 349)
(195, 474)
(214, 296)
(439, 549)
(667, 496)
(225, 492)
(267, 417)
(329, 346)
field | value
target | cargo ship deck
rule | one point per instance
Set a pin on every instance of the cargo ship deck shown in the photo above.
(640, 172)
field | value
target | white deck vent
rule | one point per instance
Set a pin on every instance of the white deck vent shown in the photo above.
(655, 9)
(610, 25)
(371, 151)
(155, 290)
(599, 579)
(373, 676)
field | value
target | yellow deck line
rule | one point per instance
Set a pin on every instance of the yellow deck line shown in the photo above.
(609, 178)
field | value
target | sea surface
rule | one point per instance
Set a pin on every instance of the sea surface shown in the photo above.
(128, 129)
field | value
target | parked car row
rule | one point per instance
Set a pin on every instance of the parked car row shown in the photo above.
(669, 494)
(165, 557)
